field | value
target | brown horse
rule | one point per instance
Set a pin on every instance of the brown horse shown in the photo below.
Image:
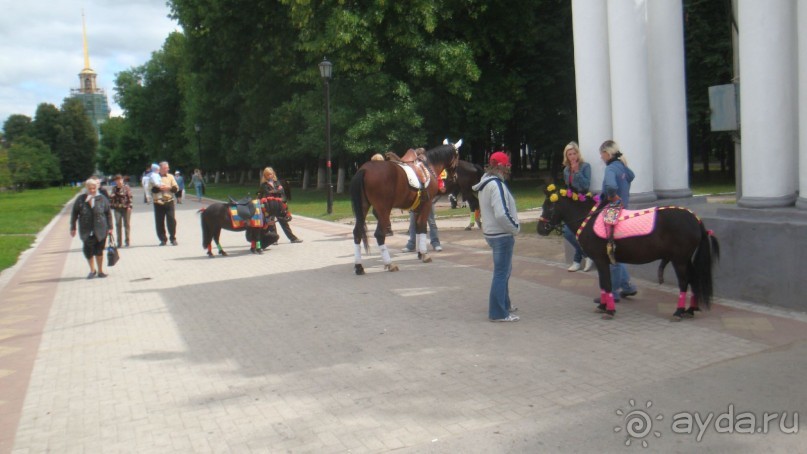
(384, 185)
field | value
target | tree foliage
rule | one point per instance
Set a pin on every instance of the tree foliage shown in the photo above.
(31, 163)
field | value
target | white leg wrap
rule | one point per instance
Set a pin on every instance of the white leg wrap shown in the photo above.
(385, 255)
(422, 243)
(357, 254)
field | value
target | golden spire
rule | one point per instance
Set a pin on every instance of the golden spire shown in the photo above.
(84, 36)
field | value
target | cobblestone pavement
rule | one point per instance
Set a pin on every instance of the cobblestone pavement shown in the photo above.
(290, 352)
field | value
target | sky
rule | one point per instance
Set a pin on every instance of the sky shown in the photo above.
(41, 47)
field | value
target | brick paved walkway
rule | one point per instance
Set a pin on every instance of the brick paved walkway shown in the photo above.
(290, 352)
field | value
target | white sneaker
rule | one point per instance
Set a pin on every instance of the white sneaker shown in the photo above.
(438, 248)
(575, 267)
(587, 264)
(509, 318)
(406, 249)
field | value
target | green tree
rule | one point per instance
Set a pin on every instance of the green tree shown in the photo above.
(5, 172)
(16, 125)
(77, 142)
(32, 164)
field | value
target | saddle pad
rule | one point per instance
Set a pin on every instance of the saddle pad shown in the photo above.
(412, 177)
(630, 223)
(250, 215)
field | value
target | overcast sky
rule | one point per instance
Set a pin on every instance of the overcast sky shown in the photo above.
(41, 49)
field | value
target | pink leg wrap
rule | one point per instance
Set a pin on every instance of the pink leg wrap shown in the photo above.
(693, 301)
(682, 299)
(610, 304)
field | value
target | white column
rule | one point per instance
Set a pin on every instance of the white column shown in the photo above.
(768, 106)
(801, 27)
(593, 82)
(668, 98)
(630, 92)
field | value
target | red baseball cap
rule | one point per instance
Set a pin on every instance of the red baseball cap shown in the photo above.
(499, 159)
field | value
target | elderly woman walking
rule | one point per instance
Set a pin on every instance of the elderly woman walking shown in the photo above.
(94, 216)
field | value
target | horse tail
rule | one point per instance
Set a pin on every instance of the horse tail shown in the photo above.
(707, 254)
(207, 237)
(357, 203)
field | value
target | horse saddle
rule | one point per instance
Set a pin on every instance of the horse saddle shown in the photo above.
(417, 174)
(246, 213)
(627, 224)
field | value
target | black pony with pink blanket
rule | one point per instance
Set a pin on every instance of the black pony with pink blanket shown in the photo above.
(670, 234)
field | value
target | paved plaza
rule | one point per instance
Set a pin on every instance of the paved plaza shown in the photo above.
(289, 351)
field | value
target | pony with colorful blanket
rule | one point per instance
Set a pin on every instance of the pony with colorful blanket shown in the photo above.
(670, 234)
(253, 216)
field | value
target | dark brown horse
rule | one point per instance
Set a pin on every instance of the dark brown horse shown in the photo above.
(218, 216)
(384, 185)
(678, 237)
(467, 175)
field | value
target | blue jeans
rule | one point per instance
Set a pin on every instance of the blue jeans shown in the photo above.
(432, 230)
(572, 239)
(499, 303)
(198, 188)
(620, 279)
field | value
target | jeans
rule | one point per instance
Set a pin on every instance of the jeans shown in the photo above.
(620, 279)
(198, 187)
(432, 230)
(572, 239)
(499, 303)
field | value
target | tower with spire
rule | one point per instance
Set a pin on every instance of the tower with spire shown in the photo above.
(93, 98)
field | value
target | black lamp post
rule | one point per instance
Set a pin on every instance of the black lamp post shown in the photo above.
(198, 129)
(325, 70)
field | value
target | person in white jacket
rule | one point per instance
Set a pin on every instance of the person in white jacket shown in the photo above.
(500, 225)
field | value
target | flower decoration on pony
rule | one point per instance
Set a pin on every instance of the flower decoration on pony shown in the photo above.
(576, 196)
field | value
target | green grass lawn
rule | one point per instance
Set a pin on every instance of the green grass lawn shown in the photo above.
(23, 215)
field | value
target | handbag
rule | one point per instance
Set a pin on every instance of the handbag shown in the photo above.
(112, 255)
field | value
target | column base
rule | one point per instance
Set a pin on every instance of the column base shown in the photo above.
(767, 202)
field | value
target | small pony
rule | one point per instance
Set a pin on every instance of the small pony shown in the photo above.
(671, 234)
(253, 216)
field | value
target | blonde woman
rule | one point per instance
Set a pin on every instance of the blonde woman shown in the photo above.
(577, 176)
(271, 187)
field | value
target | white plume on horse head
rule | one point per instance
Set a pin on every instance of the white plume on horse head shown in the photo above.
(455, 145)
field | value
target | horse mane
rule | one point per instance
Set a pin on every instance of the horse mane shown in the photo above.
(571, 195)
(443, 153)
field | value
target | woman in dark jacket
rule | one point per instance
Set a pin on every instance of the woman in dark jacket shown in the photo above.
(94, 216)
(271, 187)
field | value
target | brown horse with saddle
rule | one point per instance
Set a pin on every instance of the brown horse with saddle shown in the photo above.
(409, 183)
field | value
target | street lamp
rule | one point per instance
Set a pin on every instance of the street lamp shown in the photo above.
(198, 129)
(325, 70)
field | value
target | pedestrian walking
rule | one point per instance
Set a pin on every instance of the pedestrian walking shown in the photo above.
(198, 183)
(500, 226)
(93, 215)
(121, 202)
(164, 205)
(181, 184)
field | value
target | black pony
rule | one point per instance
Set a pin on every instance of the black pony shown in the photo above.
(218, 216)
(467, 175)
(678, 236)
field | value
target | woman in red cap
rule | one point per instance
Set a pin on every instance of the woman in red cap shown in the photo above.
(500, 225)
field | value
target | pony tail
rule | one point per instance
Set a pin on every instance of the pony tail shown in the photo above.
(702, 263)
